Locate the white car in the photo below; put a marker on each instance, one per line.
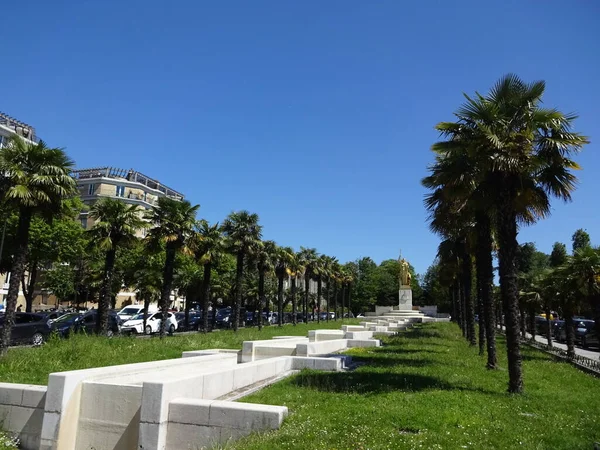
(136, 324)
(133, 310)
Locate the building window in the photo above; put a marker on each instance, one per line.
(84, 222)
(120, 191)
(91, 189)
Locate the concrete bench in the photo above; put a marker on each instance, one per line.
(359, 335)
(212, 423)
(63, 400)
(324, 335)
(281, 347)
(22, 412)
(347, 328)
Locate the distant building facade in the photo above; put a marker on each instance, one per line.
(9, 126)
(130, 186)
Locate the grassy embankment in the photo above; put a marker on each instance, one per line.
(428, 389)
(32, 365)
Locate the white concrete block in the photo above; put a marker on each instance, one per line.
(364, 343)
(217, 384)
(359, 335)
(190, 411)
(152, 436)
(11, 394)
(248, 416)
(243, 375)
(25, 420)
(34, 396)
(182, 436)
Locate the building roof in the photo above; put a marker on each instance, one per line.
(126, 175)
(18, 127)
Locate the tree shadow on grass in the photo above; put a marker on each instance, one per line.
(375, 383)
(381, 360)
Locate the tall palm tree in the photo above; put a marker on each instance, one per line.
(172, 223)
(208, 245)
(524, 152)
(336, 277)
(294, 269)
(320, 273)
(116, 225)
(243, 233)
(327, 271)
(264, 264)
(34, 179)
(308, 258)
(283, 256)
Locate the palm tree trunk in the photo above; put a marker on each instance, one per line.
(237, 301)
(523, 322)
(570, 333)
(328, 296)
(454, 305)
(165, 296)
(206, 295)
(469, 307)
(306, 292)
(507, 239)
(335, 302)
(20, 259)
(319, 287)
(29, 286)
(482, 321)
(343, 296)
(549, 325)
(279, 300)
(261, 296)
(531, 317)
(105, 293)
(349, 294)
(293, 295)
(485, 273)
(462, 322)
(146, 306)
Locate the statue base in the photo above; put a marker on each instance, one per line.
(405, 297)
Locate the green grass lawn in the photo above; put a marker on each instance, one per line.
(32, 365)
(427, 389)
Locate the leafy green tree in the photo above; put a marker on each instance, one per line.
(243, 233)
(172, 224)
(581, 239)
(60, 280)
(559, 255)
(34, 180)
(116, 225)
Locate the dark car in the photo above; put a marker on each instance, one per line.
(87, 323)
(53, 315)
(224, 317)
(585, 333)
(29, 328)
(195, 321)
(64, 325)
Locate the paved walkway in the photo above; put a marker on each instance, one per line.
(587, 353)
(592, 354)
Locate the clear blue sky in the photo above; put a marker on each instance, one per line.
(317, 115)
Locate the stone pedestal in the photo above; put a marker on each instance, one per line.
(405, 298)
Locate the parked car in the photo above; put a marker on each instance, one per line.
(585, 333)
(153, 323)
(271, 318)
(195, 322)
(133, 310)
(65, 324)
(87, 323)
(53, 315)
(30, 328)
(224, 317)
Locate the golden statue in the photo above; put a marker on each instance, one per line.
(405, 276)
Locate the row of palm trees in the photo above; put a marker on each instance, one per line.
(35, 180)
(496, 169)
(172, 226)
